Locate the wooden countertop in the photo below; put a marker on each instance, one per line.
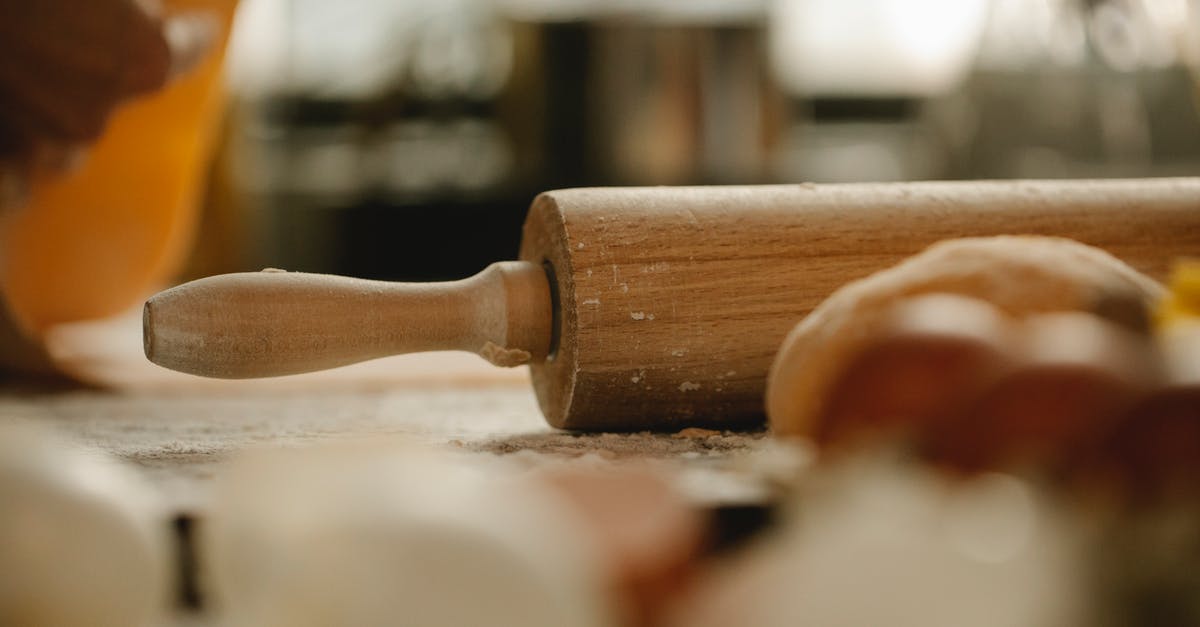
(176, 429)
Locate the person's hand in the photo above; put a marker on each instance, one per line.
(65, 65)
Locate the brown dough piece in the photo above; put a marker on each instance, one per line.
(1019, 275)
(928, 357)
(1152, 451)
(1072, 374)
(647, 531)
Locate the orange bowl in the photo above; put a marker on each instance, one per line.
(92, 243)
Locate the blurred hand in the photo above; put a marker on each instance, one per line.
(65, 65)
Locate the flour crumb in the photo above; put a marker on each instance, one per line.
(587, 447)
(504, 357)
(591, 301)
(637, 315)
(695, 432)
(688, 386)
(658, 266)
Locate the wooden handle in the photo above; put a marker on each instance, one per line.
(259, 324)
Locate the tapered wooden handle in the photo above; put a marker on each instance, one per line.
(258, 324)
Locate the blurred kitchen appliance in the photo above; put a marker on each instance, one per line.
(664, 93)
(415, 157)
(1076, 88)
(402, 139)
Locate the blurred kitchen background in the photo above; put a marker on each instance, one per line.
(404, 139)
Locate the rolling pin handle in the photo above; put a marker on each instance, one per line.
(260, 324)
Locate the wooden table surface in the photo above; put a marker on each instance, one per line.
(177, 435)
(176, 430)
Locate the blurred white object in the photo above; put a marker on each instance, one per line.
(874, 47)
(671, 11)
(376, 534)
(82, 541)
(363, 48)
(880, 543)
(1126, 35)
(256, 58)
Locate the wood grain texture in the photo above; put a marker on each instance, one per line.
(673, 301)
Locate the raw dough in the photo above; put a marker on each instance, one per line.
(1018, 274)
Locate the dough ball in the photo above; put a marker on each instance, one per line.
(1020, 275)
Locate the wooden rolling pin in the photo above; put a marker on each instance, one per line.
(651, 308)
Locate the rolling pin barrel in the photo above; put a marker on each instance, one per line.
(656, 308)
(673, 301)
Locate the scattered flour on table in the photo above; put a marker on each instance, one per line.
(623, 445)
